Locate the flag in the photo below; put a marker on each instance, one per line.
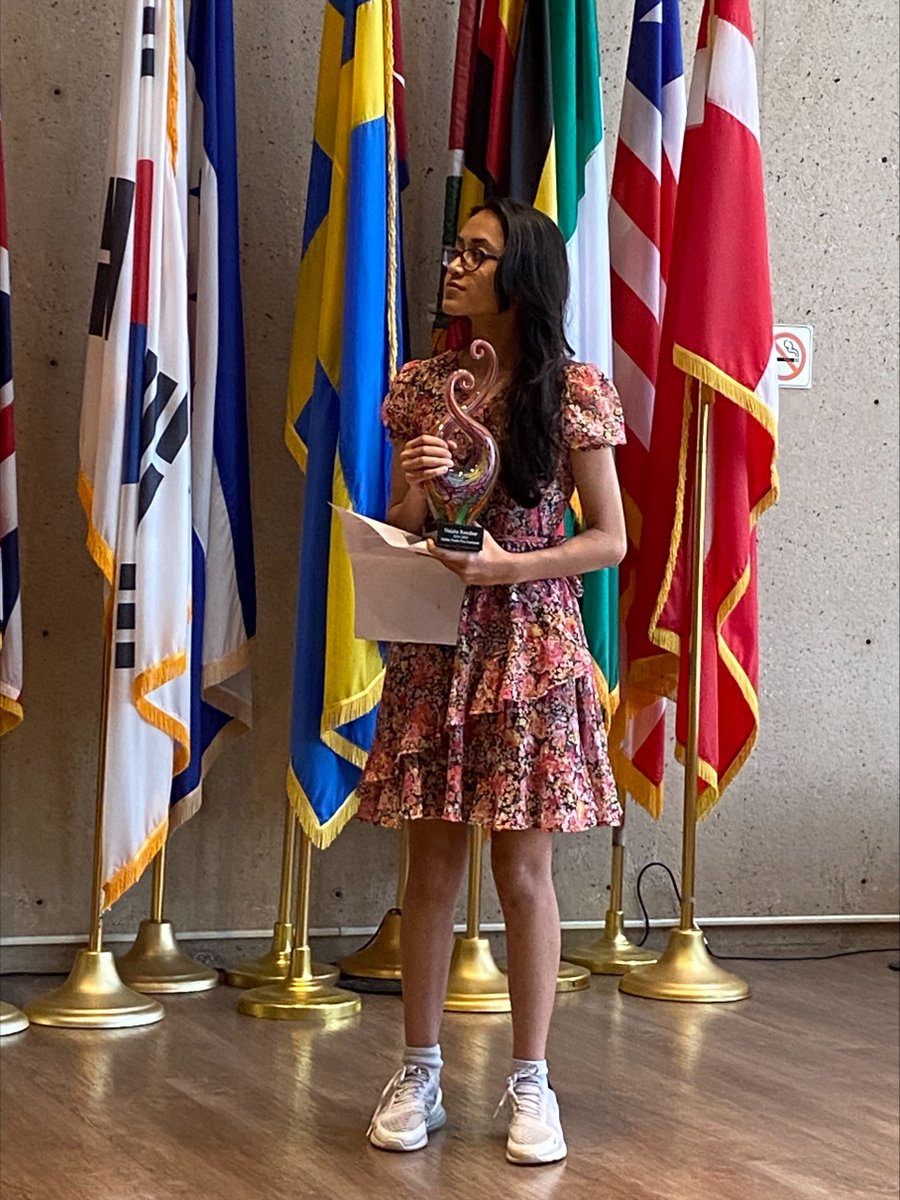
(581, 179)
(223, 575)
(348, 341)
(11, 678)
(527, 122)
(717, 332)
(581, 197)
(481, 118)
(135, 460)
(641, 213)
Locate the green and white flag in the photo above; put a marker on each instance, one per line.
(581, 194)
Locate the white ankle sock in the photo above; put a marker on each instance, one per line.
(424, 1056)
(537, 1065)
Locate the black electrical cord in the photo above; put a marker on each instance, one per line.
(33, 974)
(742, 957)
(640, 875)
(801, 957)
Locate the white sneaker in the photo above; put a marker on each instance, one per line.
(409, 1109)
(535, 1134)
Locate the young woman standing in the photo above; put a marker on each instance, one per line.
(505, 729)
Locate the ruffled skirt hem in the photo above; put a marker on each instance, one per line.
(539, 765)
(371, 813)
(504, 730)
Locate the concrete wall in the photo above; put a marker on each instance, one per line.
(810, 825)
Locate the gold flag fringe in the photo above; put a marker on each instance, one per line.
(172, 95)
(128, 875)
(320, 835)
(697, 368)
(98, 548)
(148, 681)
(11, 713)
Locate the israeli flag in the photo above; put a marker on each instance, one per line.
(223, 566)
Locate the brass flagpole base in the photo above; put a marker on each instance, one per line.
(611, 953)
(475, 984)
(271, 967)
(155, 964)
(572, 978)
(274, 965)
(379, 958)
(94, 997)
(685, 971)
(300, 997)
(12, 1020)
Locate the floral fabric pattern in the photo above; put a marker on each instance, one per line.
(504, 729)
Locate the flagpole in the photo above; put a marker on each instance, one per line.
(94, 996)
(686, 970)
(393, 263)
(301, 996)
(155, 963)
(612, 953)
(475, 983)
(274, 965)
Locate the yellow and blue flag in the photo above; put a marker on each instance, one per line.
(348, 341)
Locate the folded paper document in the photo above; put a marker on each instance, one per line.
(402, 593)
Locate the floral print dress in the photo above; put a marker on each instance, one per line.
(505, 729)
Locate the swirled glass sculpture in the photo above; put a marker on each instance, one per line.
(457, 498)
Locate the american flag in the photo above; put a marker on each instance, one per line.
(641, 215)
(10, 601)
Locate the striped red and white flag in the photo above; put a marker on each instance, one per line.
(717, 332)
(11, 675)
(641, 216)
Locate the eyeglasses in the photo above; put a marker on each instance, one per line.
(470, 259)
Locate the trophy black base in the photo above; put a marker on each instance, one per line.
(466, 538)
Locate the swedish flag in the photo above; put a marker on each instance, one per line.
(347, 343)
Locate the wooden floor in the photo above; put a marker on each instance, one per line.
(791, 1095)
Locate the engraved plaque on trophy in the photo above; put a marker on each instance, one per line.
(459, 496)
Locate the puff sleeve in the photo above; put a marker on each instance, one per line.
(399, 411)
(592, 411)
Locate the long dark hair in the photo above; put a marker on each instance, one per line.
(532, 278)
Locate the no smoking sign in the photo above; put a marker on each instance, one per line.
(793, 352)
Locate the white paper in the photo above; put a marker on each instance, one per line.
(402, 593)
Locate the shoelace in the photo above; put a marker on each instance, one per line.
(405, 1086)
(524, 1093)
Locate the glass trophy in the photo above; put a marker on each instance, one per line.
(459, 496)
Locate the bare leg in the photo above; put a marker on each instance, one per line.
(437, 860)
(521, 862)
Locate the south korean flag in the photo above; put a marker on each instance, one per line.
(135, 476)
